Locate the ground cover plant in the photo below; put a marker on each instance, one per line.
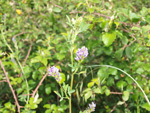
(66, 56)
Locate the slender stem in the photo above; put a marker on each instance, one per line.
(40, 83)
(71, 51)
(138, 109)
(146, 98)
(18, 63)
(6, 41)
(64, 92)
(12, 90)
(72, 77)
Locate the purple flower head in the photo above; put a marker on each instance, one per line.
(13, 60)
(81, 53)
(4, 16)
(91, 107)
(14, 40)
(54, 71)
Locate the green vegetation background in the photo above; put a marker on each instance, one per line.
(116, 32)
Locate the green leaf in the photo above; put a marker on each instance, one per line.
(71, 91)
(59, 56)
(36, 59)
(47, 90)
(57, 93)
(125, 96)
(47, 106)
(102, 73)
(8, 105)
(134, 17)
(140, 70)
(83, 27)
(88, 95)
(146, 28)
(90, 84)
(112, 71)
(91, 10)
(121, 84)
(48, 111)
(107, 92)
(33, 106)
(146, 106)
(135, 28)
(63, 77)
(128, 52)
(120, 103)
(56, 9)
(97, 90)
(108, 38)
(108, 50)
(44, 61)
(35, 74)
(124, 40)
(119, 53)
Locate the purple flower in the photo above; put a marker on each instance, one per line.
(4, 16)
(14, 40)
(81, 53)
(13, 60)
(54, 71)
(91, 107)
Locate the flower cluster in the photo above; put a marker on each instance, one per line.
(91, 108)
(81, 53)
(4, 16)
(54, 71)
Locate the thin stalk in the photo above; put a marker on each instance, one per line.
(72, 77)
(138, 108)
(25, 80)
(146, 98)
(18, 63)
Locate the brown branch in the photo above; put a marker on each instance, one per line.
(130, 42)
(3, 80)
(103, 4)
(19, 34)
(27, 55)
(40, 83)
(118, 93)
(57, 5)
(12, 90)
(27, 94)
(113, 108)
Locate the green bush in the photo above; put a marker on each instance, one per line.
(36, 35)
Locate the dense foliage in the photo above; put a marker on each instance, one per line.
(99, 49)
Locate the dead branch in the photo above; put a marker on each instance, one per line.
(40, 83)
(27, 55)
(12, 90)
(3, 80)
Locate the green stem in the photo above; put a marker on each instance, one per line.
(138, 109)
(25, 80)
(64, 92)
(18, 63)
(146, 98)
(72, 77)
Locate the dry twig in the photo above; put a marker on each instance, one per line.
(130, 42)
(27, 55)
(40, 83)
(12, 90)
(118, 93)
(3, 81)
